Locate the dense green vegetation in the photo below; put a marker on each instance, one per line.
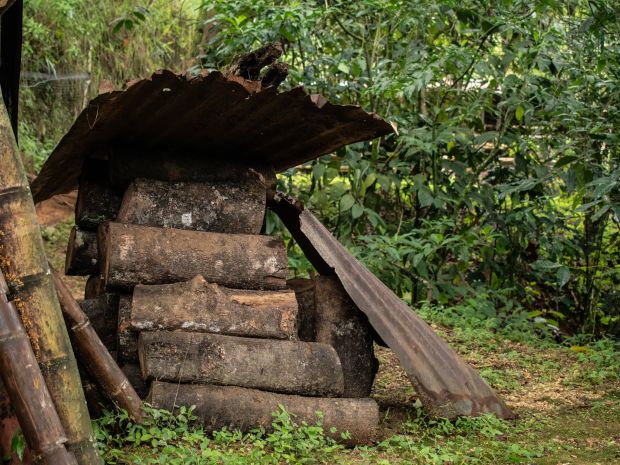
(502, 183)
(495, 210)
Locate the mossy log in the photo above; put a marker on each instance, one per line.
(200, 306)
(95, 356)
(82, 257)
(97, 201)
(244, 409)
(226, 207)
(146, 255)
(23, 381)
(280, 366)
(23, 261)
(102, 312)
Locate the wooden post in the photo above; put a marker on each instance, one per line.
(226, 207)
(142, 254)
(281, 366)
(239, 408)
(23, 261)
(95, 356)
(26, 388)
(199, 306)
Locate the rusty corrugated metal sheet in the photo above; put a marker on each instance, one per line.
(448, 387)
(210, 116)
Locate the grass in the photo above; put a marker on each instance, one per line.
(567, 397)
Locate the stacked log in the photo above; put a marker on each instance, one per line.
(188, 293)
(330, 317)
(244, 409)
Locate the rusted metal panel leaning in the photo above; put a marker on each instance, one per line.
(23, 381)
(447, 386)
(23, 261)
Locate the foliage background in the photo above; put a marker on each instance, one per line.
(500, 192)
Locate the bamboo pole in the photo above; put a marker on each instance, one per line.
(26, 389)
(94, 355)
(22, 259)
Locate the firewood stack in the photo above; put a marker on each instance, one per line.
(195, 305)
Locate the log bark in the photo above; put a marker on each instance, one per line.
(97, 201)
(244, 409)
(102, 312)
(200, 306)
(226, 207)
(95, 356)
(125, 165)
(134, 375)
(340, 324)
(82, 257)
(279, 366)
(306, 313)
(95, 287)
(146, 255)
(26, 388)
(127, 338)
(22, 259)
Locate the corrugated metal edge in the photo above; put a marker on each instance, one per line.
(448, 387)
(209, 115)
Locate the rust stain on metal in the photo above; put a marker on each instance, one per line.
(447, 385)
(210, 116)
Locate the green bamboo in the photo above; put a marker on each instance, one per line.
(24, 264)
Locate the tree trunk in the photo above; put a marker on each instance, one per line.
(280, 366)
(127, 338)
(203, 307)
(225, 207)
(244, 409)
(82, 253)
(23, 381)
(95, 356)
(146, 255)
(22, 259)
(102, 312)
(97, 201)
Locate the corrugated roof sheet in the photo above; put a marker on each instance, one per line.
(447, 386)
(211, 116)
